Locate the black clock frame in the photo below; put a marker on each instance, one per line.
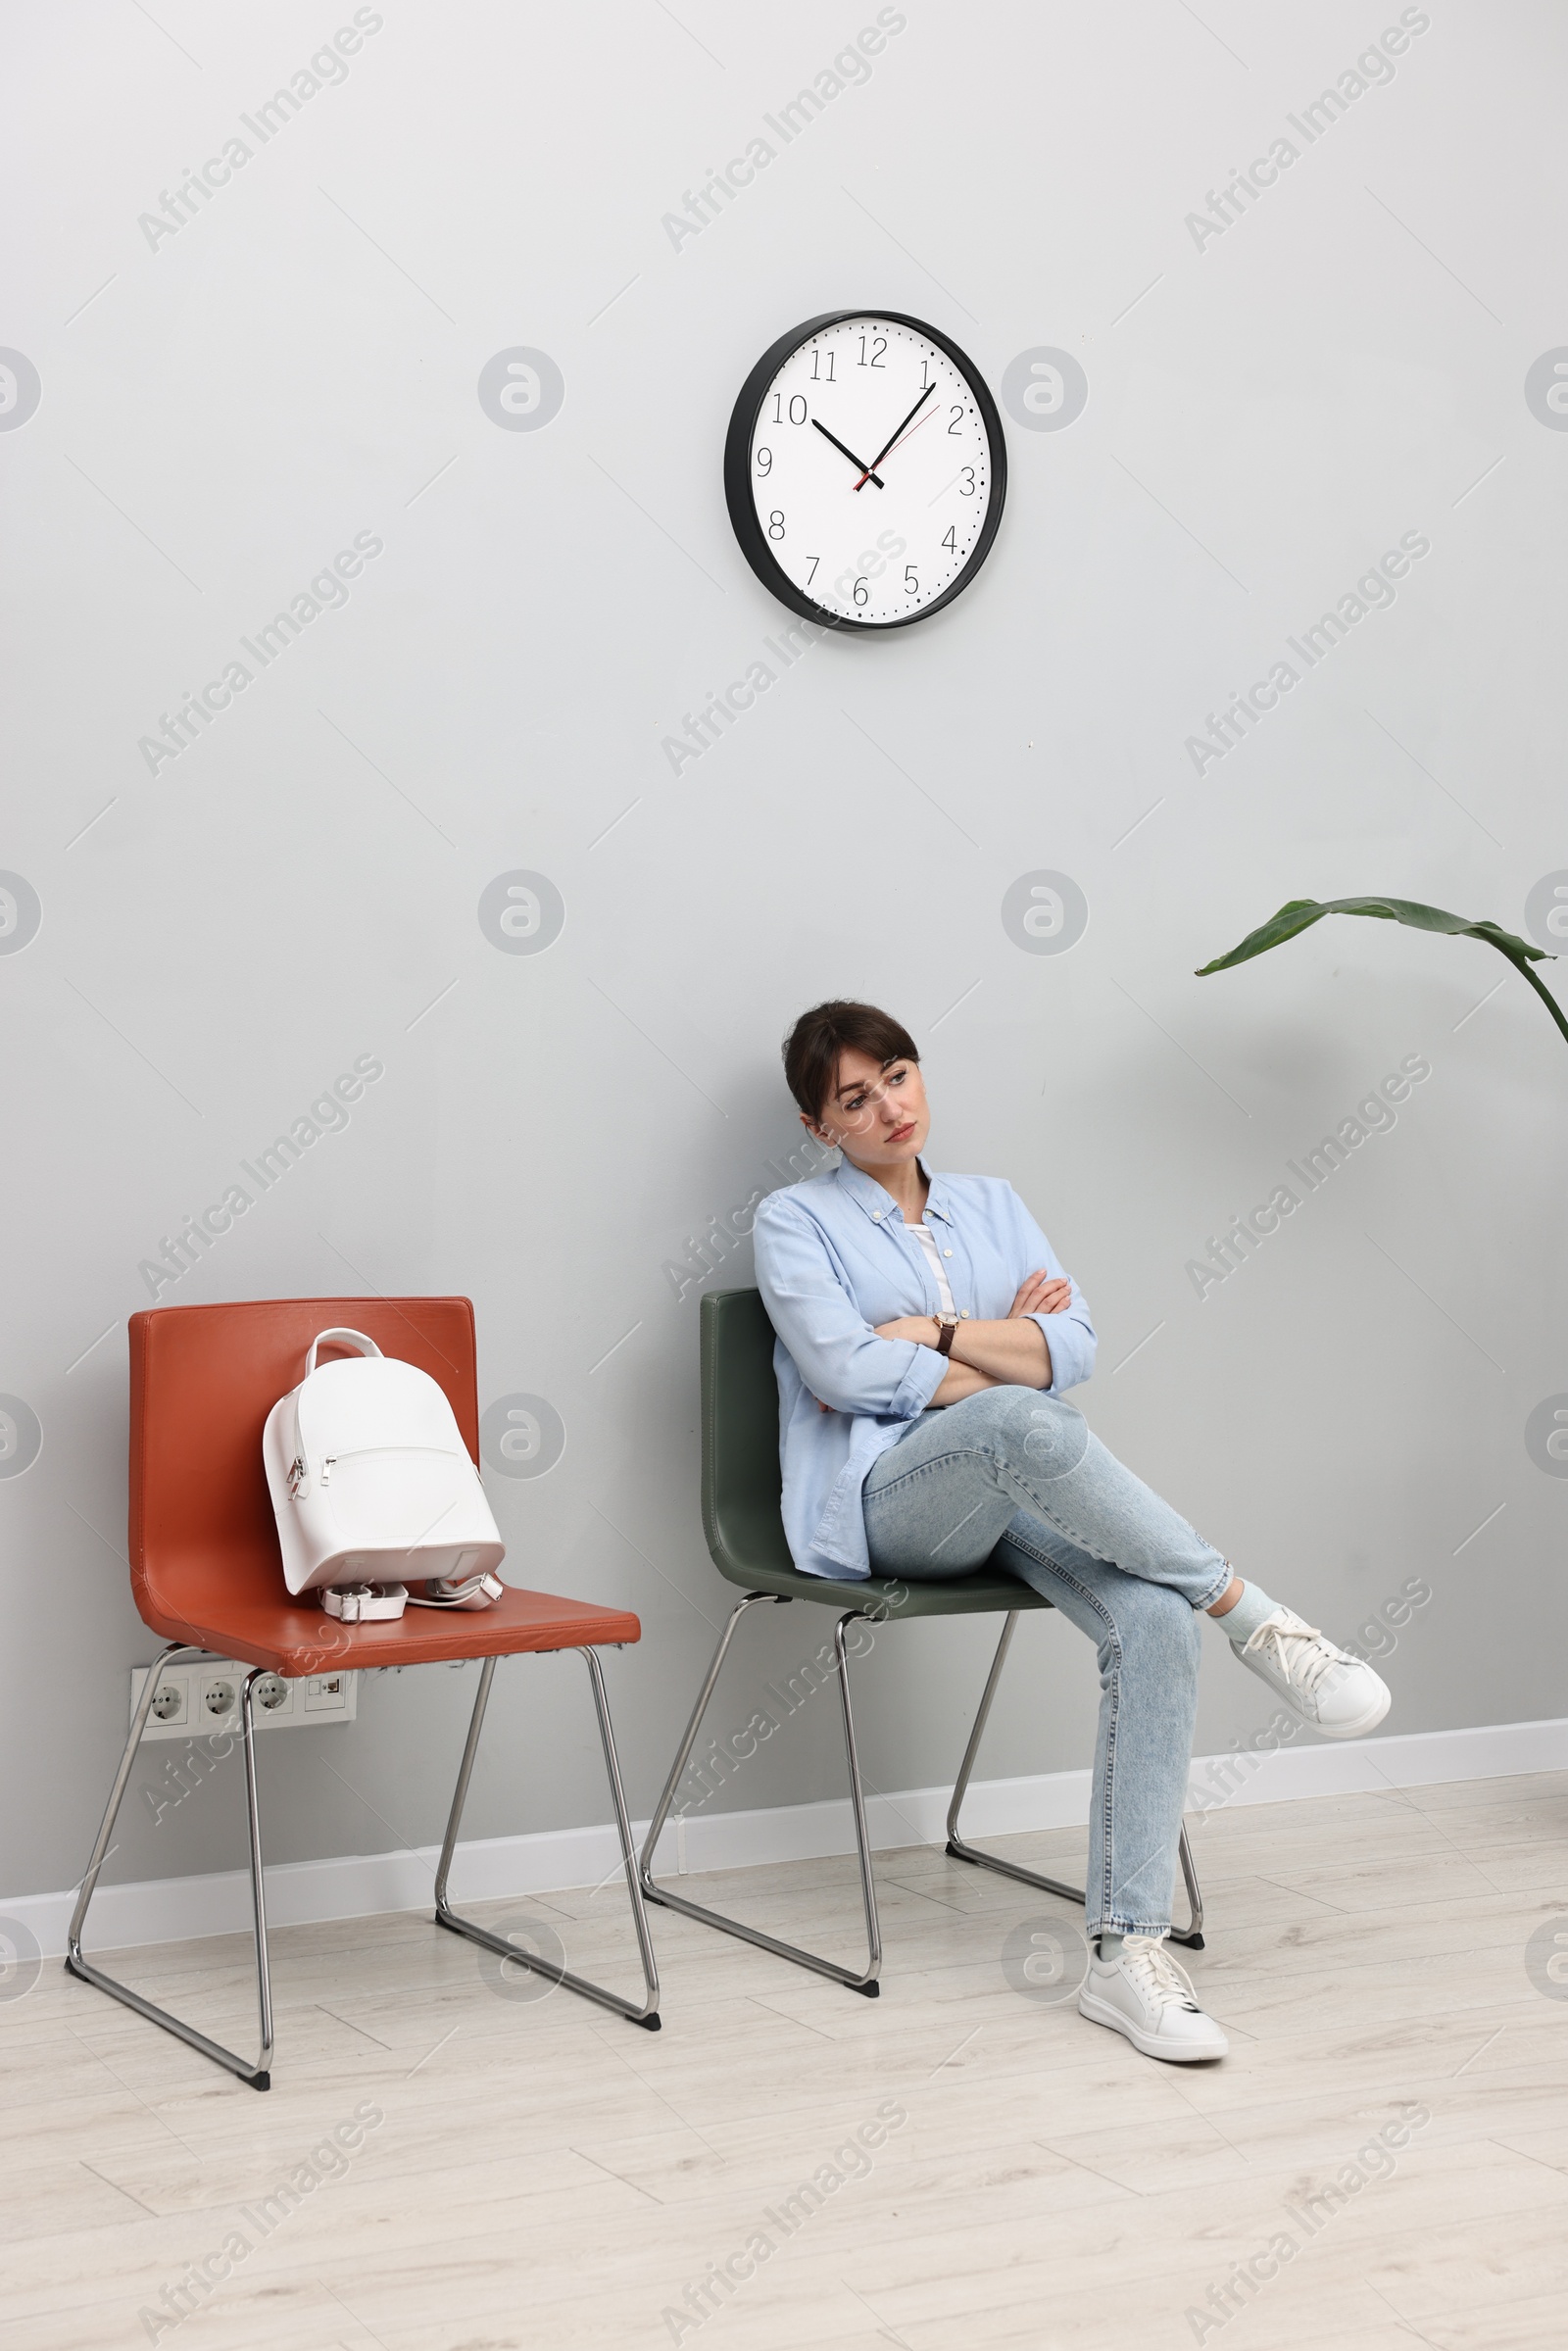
(738, 472)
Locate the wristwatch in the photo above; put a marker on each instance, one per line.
(947, 1324)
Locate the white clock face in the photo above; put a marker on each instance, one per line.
(872, 472)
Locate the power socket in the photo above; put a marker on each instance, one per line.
(169, 1706)
(200, 1701)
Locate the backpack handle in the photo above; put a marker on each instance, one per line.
(354, 1339)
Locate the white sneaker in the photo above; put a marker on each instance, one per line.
(1144, 1993)
(1324, 1686)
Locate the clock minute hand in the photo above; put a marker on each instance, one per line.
(868, 472)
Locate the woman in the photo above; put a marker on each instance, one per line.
(927, 1335)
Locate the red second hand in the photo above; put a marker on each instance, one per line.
(899, 443)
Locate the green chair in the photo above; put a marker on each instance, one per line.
(740, 1489)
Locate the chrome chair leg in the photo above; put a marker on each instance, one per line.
(865, 1982)
(1192, 1937)
(689, 1738)
(647, 2015)
(862, 1840)
(259, 2075)
(1192, 1934)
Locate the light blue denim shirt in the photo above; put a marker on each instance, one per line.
(833, 1259)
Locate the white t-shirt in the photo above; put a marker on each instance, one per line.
(928, 1242)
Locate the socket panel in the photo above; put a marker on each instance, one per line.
(199, 1700)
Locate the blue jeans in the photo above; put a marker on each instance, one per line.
(1015, 1479)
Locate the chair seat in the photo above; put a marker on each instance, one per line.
(983, 1593)
(747, 1541)
(298, 1637)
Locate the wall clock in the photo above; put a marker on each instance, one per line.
(865, 470)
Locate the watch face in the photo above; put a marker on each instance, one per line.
(866, 469)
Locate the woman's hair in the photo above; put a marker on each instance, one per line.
(812, 1048)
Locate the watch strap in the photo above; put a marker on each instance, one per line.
(947, 1327)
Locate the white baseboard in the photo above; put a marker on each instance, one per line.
(494, 1868)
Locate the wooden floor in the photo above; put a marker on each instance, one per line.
(546, 2175)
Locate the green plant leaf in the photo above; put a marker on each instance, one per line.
(1299, 914)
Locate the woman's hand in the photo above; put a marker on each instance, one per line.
(1042, 1293)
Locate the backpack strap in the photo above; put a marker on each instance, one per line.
(354, 1339)
(474, 1591)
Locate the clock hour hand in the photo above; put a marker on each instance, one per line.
(871, 473)
(866, 473)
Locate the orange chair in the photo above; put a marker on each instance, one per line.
(206, 1574)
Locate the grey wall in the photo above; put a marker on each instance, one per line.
(1270, 407)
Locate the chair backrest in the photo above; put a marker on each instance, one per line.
(203, 1379)
(740, 1481)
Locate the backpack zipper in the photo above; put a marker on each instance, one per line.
(299, 1476)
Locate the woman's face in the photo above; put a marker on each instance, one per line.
(876, 1113)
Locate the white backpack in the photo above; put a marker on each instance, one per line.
(372, 1483)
